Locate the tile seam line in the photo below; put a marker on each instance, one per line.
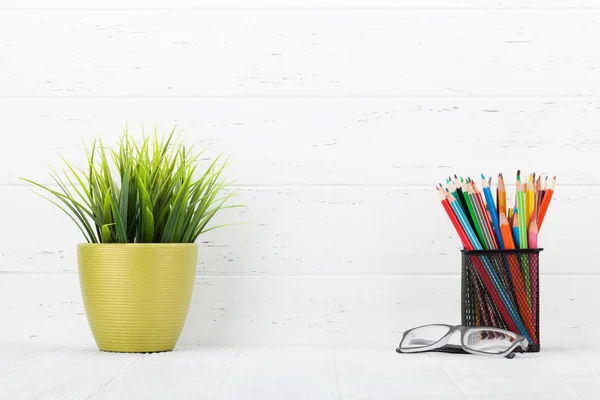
(322, 186)
(449, 10)
(305, 97)
(441, 368)
(326, 276)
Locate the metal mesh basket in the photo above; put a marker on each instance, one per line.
(500, 288)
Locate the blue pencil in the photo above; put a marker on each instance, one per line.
(515, 228)
(493, 210)
(463, 221)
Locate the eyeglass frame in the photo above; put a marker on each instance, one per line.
(520, 340)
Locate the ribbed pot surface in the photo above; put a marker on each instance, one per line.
(136, 296)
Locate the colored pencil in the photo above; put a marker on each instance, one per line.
(529, 200)
(522, 213)
(459, 229)
(546, 202)
(486, 240)
(487, 301)
(486, 224)
(538, 197)
(488, 275)
(483, 221)
(467, 244)
(461, 198)
(532, 233)
(478, 315)
(523, 235)
(465, 192)
(533, 264)
(452, 188)
(515, 228)
(501, 194)
(544, 187)
(487, 217)
(493, 212)
(516, 276)
(463, 221)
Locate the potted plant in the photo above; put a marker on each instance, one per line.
(140, 209)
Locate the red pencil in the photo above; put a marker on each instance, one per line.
(459, 229)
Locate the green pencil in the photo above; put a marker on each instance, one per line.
(465, 192)
(522, 216)
(523, 234)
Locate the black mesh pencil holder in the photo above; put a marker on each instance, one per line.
(501, 288)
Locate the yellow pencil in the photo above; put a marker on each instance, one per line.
(529, 199)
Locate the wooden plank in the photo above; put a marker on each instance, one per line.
(303, 4)
(309, 53)
(71, 373)
(16, 356)
(352, 373)
(385, 375)
(227, 373)
(338, 311)
(475, 380)
(300, 141)
(79, 373)
(254, 368)
(300, 231)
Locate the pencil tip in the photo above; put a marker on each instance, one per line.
(482, 176)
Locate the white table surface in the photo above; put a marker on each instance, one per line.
(36, 371)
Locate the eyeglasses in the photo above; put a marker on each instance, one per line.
(475, 340)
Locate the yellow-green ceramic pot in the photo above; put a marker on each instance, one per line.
(136, 296)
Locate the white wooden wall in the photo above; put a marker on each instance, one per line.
(339, 117)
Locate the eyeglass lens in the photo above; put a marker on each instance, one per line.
(491, 342)
(424, 336)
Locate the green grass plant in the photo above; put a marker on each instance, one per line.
(140, 192)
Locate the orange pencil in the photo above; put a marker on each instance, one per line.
(505, 230)
(516, 276)
(546, 202)
(501, 195)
